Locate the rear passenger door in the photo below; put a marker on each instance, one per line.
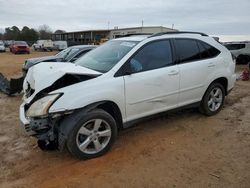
(153, 83)
(196, 65)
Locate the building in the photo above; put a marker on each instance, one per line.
(116, 33)
(99, 36)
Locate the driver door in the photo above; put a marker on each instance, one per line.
(152, 85)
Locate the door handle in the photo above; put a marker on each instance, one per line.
(173, 72)
(211, 65)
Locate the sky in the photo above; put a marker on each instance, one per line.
(225, 18)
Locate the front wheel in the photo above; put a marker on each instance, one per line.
(213, 99)
(93, 134)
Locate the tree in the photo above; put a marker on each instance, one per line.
(28, 34)
(12, 33)
(45, 32)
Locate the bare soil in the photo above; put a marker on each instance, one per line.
(183, 149)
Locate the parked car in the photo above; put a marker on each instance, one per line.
(43, 45)
(60, 45)
(19, 47)
(68, 55)
(2, 46)
(240, 50)
(82, 106)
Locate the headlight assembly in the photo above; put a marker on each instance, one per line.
(41, 106)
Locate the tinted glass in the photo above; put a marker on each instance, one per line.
(20, 42)
(204, 52)
(106, 56)
(187, 50)
(211, 50)
(152, 56)
(235, 46)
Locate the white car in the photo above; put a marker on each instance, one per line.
(83, 105)
(45, 45)
(240, 50)
(2, 47)
(60, 45)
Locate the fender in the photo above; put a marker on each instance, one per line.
(64, 128)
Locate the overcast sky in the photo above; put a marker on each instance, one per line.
(217, 17)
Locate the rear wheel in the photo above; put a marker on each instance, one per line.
(92, 135)
(213, 99)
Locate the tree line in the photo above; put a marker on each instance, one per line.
(27, 34)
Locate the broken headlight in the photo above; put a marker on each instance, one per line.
(41, 106)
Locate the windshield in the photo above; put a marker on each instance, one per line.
(67, 53)
(1, 42)
(20, 42)
(105, 57)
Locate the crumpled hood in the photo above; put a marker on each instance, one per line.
(45, 74)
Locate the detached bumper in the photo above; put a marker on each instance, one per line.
(25, 122)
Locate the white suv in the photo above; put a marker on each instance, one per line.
(83, 105)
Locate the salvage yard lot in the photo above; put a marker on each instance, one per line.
(183, 149)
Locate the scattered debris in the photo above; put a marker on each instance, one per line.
(12, 86)
(245, 75)
(215, 175)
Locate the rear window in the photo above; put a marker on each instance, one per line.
(207, 51)
(187, 50)
(235, 46)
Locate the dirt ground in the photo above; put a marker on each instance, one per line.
(183, 149)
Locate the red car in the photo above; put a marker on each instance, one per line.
(19, 47)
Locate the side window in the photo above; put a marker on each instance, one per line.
(207, 51)
(81, 54)
(187, 50)
(152, 56)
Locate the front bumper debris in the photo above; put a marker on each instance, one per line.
(12, 86)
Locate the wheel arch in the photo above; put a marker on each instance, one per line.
(64, 127)
(223, 81)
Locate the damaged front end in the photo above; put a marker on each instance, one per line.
(34, 112)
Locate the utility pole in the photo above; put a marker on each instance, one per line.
(142, 23)
(172, 26)
(108, 25)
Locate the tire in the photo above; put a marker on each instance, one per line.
(84, 135)
(212, 102)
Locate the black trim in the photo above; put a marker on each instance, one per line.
(177, 32)
(133, 122)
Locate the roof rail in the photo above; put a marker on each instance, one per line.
(177, 32)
